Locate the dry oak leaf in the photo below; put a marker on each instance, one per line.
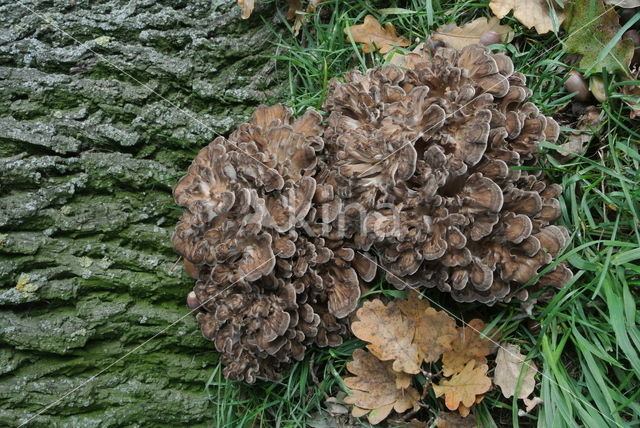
(389, 333)
(469, 34)
(531, 13)
(509, 365)
(582, 133)
(464, 387)
(468, 345)
(530, 404)
(413, 306)
(373, 390)
(454, 420)
(313, 4)
(375, 36)
(295, 6)
(464, 410)
(410, 59)
(247, 8)
(434, 330)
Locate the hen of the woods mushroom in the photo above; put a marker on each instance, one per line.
(417, 169)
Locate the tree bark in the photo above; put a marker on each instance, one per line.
(103, 104)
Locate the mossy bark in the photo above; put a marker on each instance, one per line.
(103, 104)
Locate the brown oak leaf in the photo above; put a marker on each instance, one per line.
(464, 410)
(413, 306)
(313, 4)
(389, 333)
(375, 36)
(468, 345)
(295, 6)
(435, 333)
(531, 13)
(434, 330)
(464, 387)
(469, 34)
(509, 364)
(373, 390)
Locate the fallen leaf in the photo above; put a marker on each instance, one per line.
(336, 405)
(467, 346)
(373, 390)
(410, 59)
(413, 306)
(583, 132)
(375, 36)
(454, 420)
(464, 410)
(530, 404)
(624, 3)
(313, 4)
(434, 330)
(509, 363)
(531, 13)
(295, 6)
(458, 37)
(247, 8)
(435, 333)
(590, 26)
(389, 333)
(632, 99)
(463, 387)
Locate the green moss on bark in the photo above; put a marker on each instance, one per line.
(102, 107)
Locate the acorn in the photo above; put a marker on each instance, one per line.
(576, 85)
(596, 86)
(192, 301)
(533, 326)
(490, 38)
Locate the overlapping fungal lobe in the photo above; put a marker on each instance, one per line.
(268, 287)
(434, 155)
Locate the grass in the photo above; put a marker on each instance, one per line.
(585, 340)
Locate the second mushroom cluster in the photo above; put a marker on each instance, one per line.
(424, 174)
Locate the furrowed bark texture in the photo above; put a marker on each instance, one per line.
(103, 104)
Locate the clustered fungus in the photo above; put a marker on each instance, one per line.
(419, 169)
(435, 153)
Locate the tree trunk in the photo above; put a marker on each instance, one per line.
(103, 104)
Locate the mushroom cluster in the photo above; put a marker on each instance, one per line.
(437, 154)
(423, 170)
(267, 285)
